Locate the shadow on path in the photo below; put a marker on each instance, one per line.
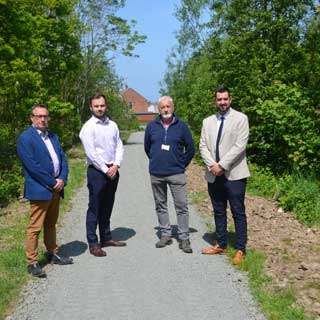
(73, 248)
(174, 231)
(133, 143)
(211, 238)
(122, 234)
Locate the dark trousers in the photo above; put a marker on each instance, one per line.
(101, 199)
(222, 191)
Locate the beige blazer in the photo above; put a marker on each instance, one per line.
(232, 146)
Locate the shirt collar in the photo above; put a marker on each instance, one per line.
(97, 120)
(226, 115)
(41, 133)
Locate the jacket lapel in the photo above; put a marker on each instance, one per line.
(213, 131)
(39, 141)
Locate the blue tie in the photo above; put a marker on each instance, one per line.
(218, 139)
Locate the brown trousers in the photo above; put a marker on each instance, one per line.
(43, 213)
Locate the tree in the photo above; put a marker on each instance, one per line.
(58, 53)
(259, 49)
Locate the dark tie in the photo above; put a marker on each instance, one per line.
(218, 139)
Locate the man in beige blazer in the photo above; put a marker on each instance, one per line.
(223, 141)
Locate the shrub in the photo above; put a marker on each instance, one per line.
(262, 182)
(301, 195)
(11, 183)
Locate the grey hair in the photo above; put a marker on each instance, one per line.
(166, 98)
(39, 105)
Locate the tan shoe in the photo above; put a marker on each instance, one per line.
(216, 249)
(238, 257)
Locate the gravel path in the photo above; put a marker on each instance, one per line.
(137, 282)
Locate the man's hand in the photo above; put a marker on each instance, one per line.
(112, 171)
(59, 185)
(216, 170)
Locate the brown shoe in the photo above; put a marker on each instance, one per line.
(238, 257)
(97, 251)
(113, 243)
(216, 249)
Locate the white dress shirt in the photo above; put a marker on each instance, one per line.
(102, 143)
(53, 154)
(218, 115)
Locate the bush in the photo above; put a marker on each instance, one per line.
(283, 131)
(262, 182)
(11, 183)
(297, 192)
(301, 195)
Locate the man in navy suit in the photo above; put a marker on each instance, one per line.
(45, 169)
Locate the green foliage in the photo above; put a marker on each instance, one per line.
(63, 122)
(10, 169)
(298, 192)
(57, 53)
(283, 131)
(301, 195)
(262, 182)
(121, 113)
(261, 50)
(11, 183)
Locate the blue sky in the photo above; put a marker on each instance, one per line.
(155, 19)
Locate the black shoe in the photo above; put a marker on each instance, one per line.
(164, 241)
(57, 259)
(184, 245)
(35, 270)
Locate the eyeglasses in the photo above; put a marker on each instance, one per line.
(40, 116)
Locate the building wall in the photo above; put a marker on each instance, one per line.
(146, 117)
(136, 100)
(139, 105)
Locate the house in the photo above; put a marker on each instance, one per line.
(140, 106)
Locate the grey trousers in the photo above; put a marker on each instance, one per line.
(178, 187)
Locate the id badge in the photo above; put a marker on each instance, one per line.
(165, 147)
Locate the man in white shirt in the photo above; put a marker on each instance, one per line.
(104, 151)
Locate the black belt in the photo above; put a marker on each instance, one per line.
(108, 165)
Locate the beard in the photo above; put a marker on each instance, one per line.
(100, 115)
(223, 108)
(166, 116)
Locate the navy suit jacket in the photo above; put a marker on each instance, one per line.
(38, 166)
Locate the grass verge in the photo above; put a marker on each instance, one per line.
(275, 305)
(13, 224)
(278, 305)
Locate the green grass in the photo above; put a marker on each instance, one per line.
(262, 182)
(196, 197)
(77, 169)
(13, 274)
(275, 305)
(125, 134)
